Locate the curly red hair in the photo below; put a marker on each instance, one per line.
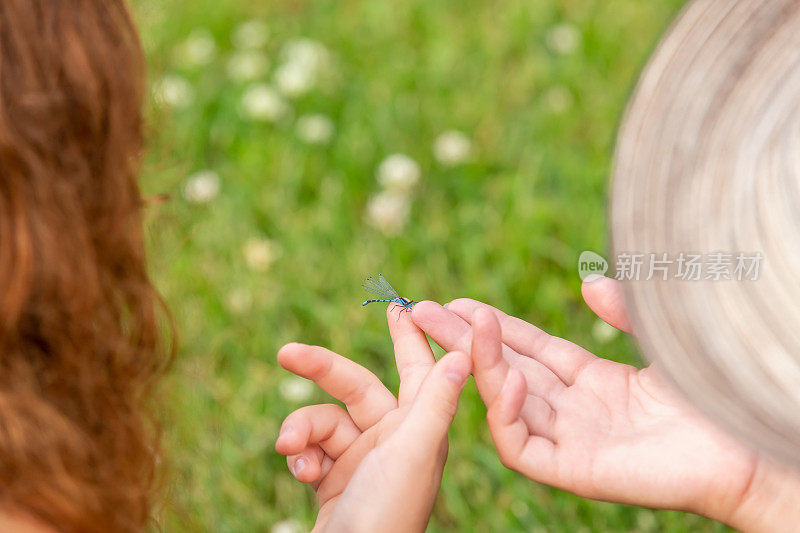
(80, 342)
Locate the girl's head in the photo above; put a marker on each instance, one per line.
(708, 163)
(79, 342)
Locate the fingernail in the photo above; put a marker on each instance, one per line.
(592, 277)
(299, 466)
(458, 371)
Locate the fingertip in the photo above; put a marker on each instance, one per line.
(597, 284)
(458, 354)
(426, 306)
(289, 441)
(484, 319)
(590, 286)
(605, 298)
(287, 352)
(281, 444)
(479, 314)
(304, 360)
(288, 446)
(399, 318)
(304, 469)
(458, 366)
(424, 310)
(591, 278)
(392, 310)
(392, 320)
(462, 306)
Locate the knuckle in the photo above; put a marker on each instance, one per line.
(284, 355)
(357, 392)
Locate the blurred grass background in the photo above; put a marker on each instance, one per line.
(268, 125)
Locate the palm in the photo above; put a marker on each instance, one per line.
(594, 427)
(335, 481)
(619, 430)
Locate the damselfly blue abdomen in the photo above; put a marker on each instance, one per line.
(380, 287)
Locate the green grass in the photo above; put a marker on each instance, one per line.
(506, 227)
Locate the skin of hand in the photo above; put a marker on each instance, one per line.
(377, 465)
(604, 430)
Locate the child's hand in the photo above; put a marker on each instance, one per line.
(599, 429)
(376, 466)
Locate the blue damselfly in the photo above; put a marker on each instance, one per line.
(380, 287)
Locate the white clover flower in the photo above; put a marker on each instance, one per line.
(198, 49)
(296, 389)
(304, 61)
(604, 332)
(398, 172)
(287, 526)
(452, 148)
(557, 98)
(173, 91)
(250, 34)
(201, 187)
(295, 79)
(315, 129)
(307, 52)
(247, 65)
(563, 38)
(259, 254)
(388, 212)
(262, 102)
(239, 301)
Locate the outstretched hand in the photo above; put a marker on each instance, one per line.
(377, 465)
(600, 429)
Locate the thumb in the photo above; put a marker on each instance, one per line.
(437, 400)
(394, 488)
(604, 296)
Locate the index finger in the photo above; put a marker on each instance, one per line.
(366, 398)
(412, 353)
(452, 332)
(564, 358)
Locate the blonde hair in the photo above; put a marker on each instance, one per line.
(708, 160)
